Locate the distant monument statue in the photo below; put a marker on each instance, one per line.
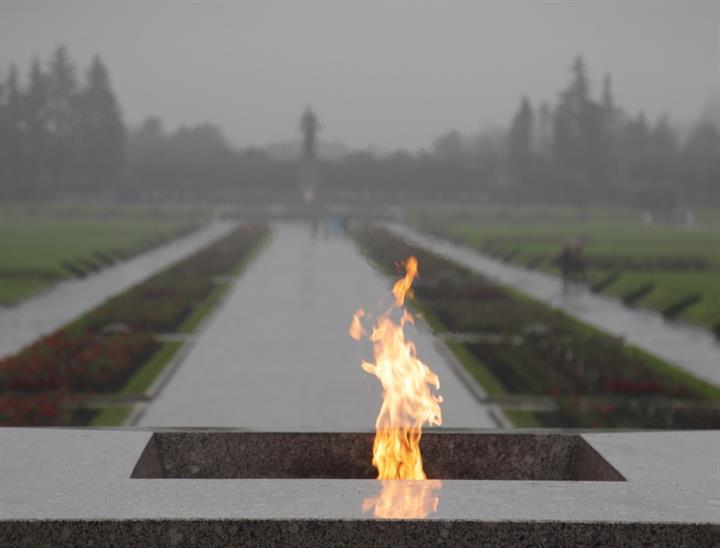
(309, 126)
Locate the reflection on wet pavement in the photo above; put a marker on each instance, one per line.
(277, 355)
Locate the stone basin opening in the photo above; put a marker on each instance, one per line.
(320, 455)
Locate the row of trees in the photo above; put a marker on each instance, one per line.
(59, 133)
(581, 149)
(198, 162)
(584, 149)
(60, 136)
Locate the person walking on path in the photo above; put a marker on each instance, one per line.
(572, 264)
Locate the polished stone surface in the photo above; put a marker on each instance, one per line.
(277, 355)
(79, 480)
(44, 313)
(692, 348)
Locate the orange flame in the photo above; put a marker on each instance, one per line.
(356, 329)
(405, 499)
(403, 285)
(408, 401)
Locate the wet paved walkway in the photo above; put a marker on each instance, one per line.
(691, 348)
(277, 355)
(51, 309)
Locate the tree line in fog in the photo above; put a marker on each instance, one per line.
(59, 131)
(62, 134)
(588, 149)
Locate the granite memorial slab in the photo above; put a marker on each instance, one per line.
(224, 487)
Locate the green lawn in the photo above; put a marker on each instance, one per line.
(203, 308)
(670, 287)
(14, 289)
(675, 263)
(484, 377)
(39, 246)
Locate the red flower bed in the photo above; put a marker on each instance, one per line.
(163, 301)
(80, 361)
(31, 409)
(624, 386)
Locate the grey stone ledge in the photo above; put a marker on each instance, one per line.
(74, 487)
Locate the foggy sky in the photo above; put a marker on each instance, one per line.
(389, 74)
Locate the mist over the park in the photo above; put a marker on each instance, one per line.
(389, 76)
(388, 273)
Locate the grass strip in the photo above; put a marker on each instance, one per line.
(523, 419)
(111, 416)
(203, 308)
(477, 369)
(143, 378)
(13, 290)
